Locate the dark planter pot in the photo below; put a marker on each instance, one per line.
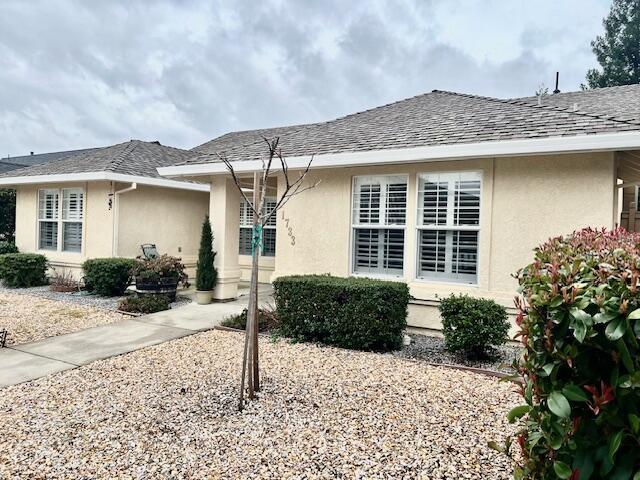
(164, 286)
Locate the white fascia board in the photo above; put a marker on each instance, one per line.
(107, 176)
(501, 148)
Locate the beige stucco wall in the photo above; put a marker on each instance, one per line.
(97, 229)
(168, 217)
(525, 200)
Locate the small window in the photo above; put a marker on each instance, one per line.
(378, 224)
(60, 223)
(246, 229)
(449, 226)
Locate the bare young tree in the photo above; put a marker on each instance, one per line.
(273, 164)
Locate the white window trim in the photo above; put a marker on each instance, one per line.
(353, 226)
(61, 221)
(266, 227)
(419, 228)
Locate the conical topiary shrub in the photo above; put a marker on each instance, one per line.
(206, 274)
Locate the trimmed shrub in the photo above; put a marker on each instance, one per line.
(356, 313)
(108, 276)
(8, 247)
(267, 320)
(579, 323)
(206, 273)
(474, 326)
(21, 270)
(144, 304)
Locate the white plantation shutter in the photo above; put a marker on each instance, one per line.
(48, 209)
(60, 217)
(379, 218)
(448, 226)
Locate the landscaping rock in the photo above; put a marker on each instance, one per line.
(170, 411)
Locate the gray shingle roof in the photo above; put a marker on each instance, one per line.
(36, 159)
(616, 103)
(131, 158)
(436, 118)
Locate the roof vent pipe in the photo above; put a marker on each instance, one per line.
(557, 90)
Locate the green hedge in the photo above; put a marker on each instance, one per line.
(144, 304)
(19, 270)
(353, 313)
(108, 276)
(473, 326)
(7, 247)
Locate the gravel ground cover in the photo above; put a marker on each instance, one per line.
(169, 411)
(431, 349)
(29, 318)
(81, 298)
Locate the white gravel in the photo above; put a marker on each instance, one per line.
(169, 411)
(29, 318)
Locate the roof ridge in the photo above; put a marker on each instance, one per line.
(551, 108)
(117, 160)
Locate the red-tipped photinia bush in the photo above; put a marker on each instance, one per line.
(579, 320)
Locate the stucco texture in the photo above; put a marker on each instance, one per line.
(170, 218)
(524, 201)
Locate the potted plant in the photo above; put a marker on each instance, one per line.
(206, 273)
(159, 276)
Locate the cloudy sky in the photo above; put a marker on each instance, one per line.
(82, 73)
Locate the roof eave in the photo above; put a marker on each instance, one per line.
(106, 176)
(500, 148)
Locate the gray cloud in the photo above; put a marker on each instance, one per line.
(75, 74)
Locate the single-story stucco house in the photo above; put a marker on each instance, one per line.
(448, 192)
(107, 202)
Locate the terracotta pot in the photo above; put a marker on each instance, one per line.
(203, 297)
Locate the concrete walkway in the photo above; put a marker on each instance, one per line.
(22, 363)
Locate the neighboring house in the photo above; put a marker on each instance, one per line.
(448, 192)
(13, 163)
(106, 202)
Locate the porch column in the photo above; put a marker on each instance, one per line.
(224, 214)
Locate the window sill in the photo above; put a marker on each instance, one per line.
(426, 281)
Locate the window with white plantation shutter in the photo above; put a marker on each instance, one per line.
(378, 223)
(48, 210)
(60, 217)
(449, 226)
(246, 229)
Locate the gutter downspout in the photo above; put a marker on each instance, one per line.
(116, 216)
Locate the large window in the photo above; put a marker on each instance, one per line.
(246, 228)
(60, 216)
(448, 226)
(378, 223)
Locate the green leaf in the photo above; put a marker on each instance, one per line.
(605, 317)
(579, 331)
(518, 412)
(547, 369)
(614, 444)
(625, 356)
(494, 446)
(562, 469)
(636, 329)
(556, 302)
(559, 405)
(615, 329)
(634, 421)
(636, 476)
(574, 393)
(635, 315)
(582, 316)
